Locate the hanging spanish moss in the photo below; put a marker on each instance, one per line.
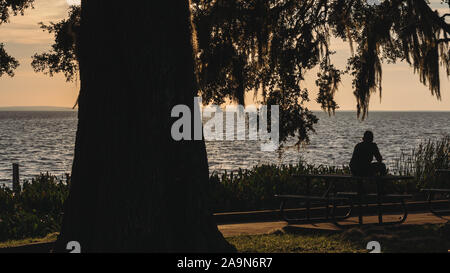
(396, 31)
(267, 46)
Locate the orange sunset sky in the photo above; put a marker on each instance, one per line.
(22, 37)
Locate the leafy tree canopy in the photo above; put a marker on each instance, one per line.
(62, 58)
(268, 45)
(8, 7)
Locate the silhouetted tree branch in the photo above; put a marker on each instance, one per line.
(14, 7)
(63, 56)
(134, 188)
(242, 47)
(8, 7)
(7, 63)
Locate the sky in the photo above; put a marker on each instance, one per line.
(402, 90)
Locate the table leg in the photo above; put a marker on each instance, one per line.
(327, 212)
(379, 200)
(308, 202)
(360, 201)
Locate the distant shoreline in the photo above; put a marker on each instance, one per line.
(36, 109)
(390, 111)
(68, 109)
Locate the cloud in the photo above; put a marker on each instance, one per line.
(73, 2)
(25, 29)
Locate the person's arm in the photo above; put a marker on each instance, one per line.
(377, 153)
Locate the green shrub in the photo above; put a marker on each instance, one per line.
(255, 188)
(35, 211)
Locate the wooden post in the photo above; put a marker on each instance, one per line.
(16, 184)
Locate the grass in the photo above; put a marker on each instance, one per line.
(429, 238)
(294, 243)
(273, 243)
(16, 243)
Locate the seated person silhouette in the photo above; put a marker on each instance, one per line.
(363, 154)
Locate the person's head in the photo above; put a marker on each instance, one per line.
(368, 136)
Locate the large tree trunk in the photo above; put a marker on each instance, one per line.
(133, 187)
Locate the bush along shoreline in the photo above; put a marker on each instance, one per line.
(37, 209)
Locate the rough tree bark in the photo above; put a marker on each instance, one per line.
(134, 189)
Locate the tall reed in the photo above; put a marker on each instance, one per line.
(423, 161)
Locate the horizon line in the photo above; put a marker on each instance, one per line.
(67, 108)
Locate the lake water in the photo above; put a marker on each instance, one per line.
(44, 141)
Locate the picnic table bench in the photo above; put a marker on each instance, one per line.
(359, 196)
(308, 199)
(431, 192)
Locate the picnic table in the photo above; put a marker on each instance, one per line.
(359, 195)
(430, 193)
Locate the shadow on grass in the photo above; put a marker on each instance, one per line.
(431, 238)
(30, 245)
